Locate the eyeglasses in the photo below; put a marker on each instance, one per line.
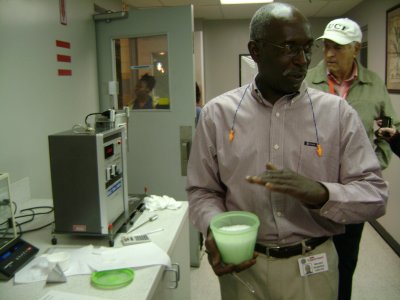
(291, 50)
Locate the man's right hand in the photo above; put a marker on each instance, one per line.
(215, 259)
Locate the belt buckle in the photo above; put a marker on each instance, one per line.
(272, 247)
(305, 248)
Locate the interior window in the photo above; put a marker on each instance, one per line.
(141, 70)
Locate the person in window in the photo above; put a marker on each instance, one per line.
(275, 148)
(143, 89)
(340, 73)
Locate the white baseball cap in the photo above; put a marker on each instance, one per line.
(342, 31)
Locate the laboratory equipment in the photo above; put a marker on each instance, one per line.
(235, 233)
(89, 182)
(135, 239)
(62, 259)
(14, 251)
(112, 279)
(150, 219)
(112, 119)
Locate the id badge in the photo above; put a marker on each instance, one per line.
(313, 264)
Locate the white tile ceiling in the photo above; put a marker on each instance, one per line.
(213, 10)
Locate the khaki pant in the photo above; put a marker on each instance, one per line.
(280, 279)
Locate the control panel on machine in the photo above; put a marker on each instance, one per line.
(112, 156)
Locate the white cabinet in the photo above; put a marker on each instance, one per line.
(175, 284)
(150, 283)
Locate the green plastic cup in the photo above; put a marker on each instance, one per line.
(235, 233)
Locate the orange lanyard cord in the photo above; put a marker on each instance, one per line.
(331, 86)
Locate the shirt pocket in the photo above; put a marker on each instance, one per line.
(320, 168)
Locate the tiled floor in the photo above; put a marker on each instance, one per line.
(377, 275)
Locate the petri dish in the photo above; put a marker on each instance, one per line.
(112, 279)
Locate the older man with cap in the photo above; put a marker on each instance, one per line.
(341, 73)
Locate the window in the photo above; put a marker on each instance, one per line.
(141, 69)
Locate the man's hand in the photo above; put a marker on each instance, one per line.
(215, 259)
(308, 191)
(385, 133)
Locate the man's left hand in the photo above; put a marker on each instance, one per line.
(215, 259)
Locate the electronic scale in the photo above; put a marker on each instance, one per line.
(14, 251)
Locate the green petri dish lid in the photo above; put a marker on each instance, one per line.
(112, 279)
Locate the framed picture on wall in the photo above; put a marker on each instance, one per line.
(392, 75)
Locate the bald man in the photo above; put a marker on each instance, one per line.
(274, 148)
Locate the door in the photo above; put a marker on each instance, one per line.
(158, 139)
(154, 158)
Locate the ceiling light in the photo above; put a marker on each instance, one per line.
(245, 1)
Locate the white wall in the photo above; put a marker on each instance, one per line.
(373, 14)
(223, 42)
(34, 100)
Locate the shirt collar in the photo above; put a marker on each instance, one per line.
(293, 97)
(353, 75)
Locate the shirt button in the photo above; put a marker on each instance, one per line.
(279, 214)
(277, 115)
(276, 147)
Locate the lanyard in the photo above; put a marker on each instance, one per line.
(332, 88)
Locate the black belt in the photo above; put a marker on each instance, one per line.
(288, 251)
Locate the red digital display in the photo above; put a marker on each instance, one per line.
(108, 151)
